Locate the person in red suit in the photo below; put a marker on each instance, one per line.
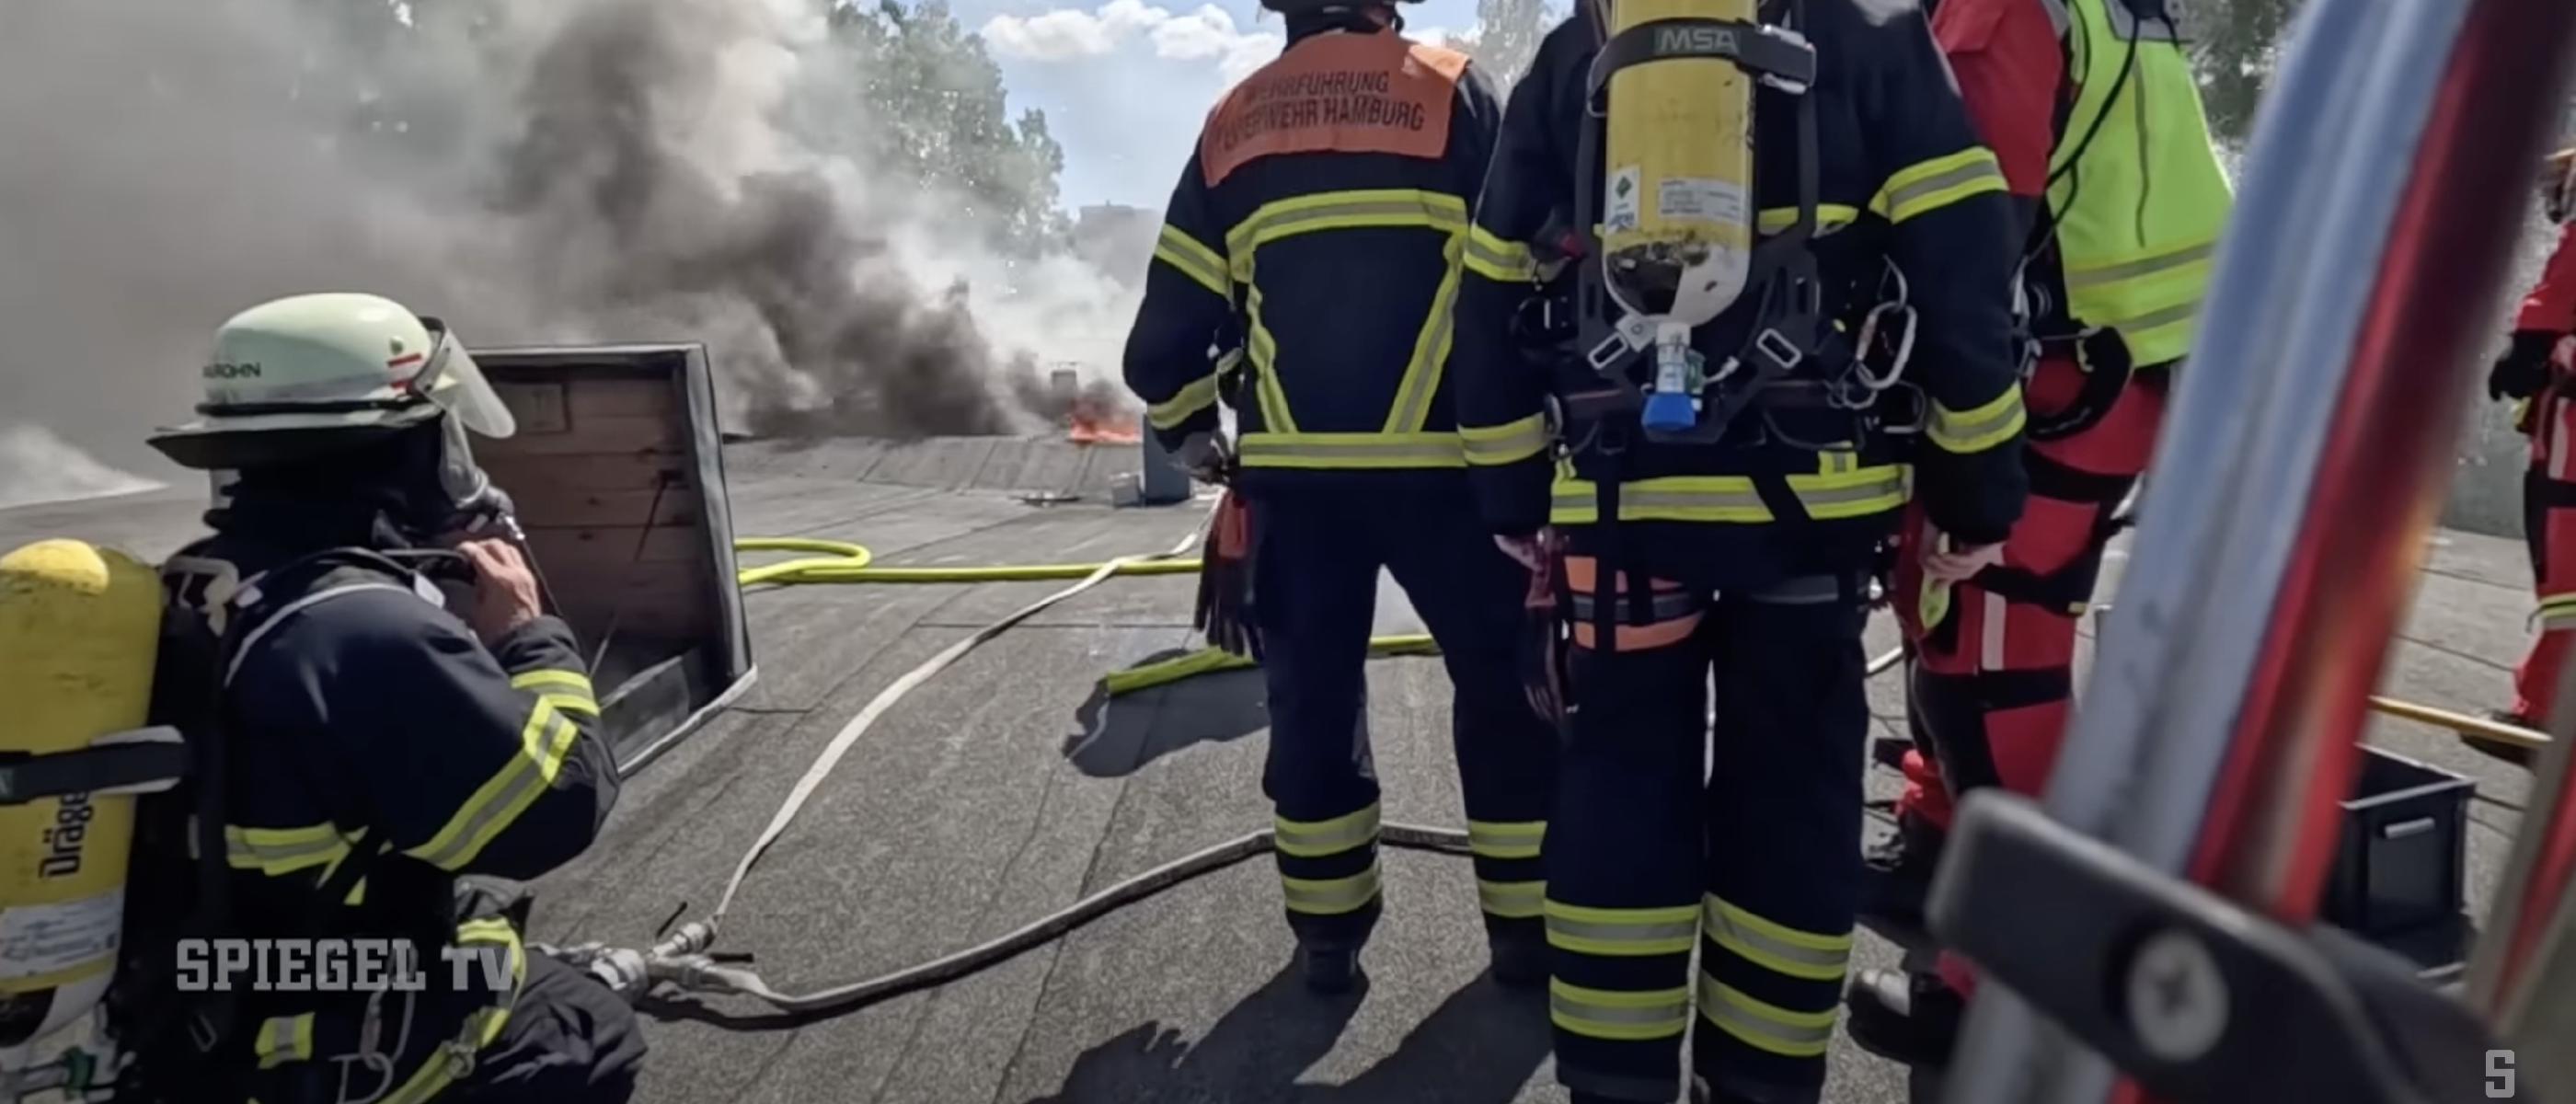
(2535, 370)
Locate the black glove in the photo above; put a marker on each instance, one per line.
(1225, 610)
(1543, 638)
(2524, 369)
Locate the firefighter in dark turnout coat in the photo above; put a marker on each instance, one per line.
(1747, 557)
(1315, 240)
(378, 744)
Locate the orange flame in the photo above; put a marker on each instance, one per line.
(1092, 423)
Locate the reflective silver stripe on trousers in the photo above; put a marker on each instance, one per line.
(1724, 930)
(1334, 840)
(1714, 1004)
(1681, 930)
(1652, 1015)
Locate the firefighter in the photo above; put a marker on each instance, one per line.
(1744, 555)
(379, 742)
(2534, 371)
(1317, 229)
(2114, 277)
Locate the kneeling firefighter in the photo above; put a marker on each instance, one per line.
(2092, 110)
(2535, 370)
(1799, 285)
(359, 745)
(1317, 229)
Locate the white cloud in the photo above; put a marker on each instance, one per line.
(1207, 34)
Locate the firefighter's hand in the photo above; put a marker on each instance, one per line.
(2524, 369)
(505, 589)
(1958, 565)
(1530, 550)
(1203, 455)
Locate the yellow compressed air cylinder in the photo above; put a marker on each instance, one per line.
(1677, 202)
(79, 627)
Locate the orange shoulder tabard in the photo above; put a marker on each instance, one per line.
(1336, 93)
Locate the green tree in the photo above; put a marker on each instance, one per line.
(1506, 37)
(2236, 46)
(938, 114)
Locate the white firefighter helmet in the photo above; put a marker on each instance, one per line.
(309, 365)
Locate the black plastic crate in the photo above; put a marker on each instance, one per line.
(2401, 865)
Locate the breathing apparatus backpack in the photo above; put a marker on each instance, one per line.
(185, 1042)
(76, 659)
(1665, 162)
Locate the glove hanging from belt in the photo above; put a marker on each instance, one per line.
(1542, 644)
(1225, 611)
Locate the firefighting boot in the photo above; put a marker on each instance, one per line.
(1329, 971)
(1909, 1018)
(1896, 874)
(2515, 754)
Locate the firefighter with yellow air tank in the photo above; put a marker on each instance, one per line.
(355, 744)
(1736, 268)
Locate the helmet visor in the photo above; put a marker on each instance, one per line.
(451, 379)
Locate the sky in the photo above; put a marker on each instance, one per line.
(1125, 83)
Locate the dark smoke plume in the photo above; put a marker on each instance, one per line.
(600, 170)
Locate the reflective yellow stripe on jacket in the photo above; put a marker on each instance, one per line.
(1731, 499)
(544, 741)
(1980, 428)
(1198, 262)
(1400, 442)
(1508, 443)
(1927, 186)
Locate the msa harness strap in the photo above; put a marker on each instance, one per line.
(1772, 56)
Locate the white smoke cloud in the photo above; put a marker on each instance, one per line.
(1064, 34)
(36, 466)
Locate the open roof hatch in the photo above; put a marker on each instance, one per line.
(618, 474)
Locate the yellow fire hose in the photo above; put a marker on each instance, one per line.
(843, 562)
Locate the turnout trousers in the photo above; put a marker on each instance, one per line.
(1315, 596)
(1739, 842)
(1993, 675)
(567, 1040)
(2549, 528)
